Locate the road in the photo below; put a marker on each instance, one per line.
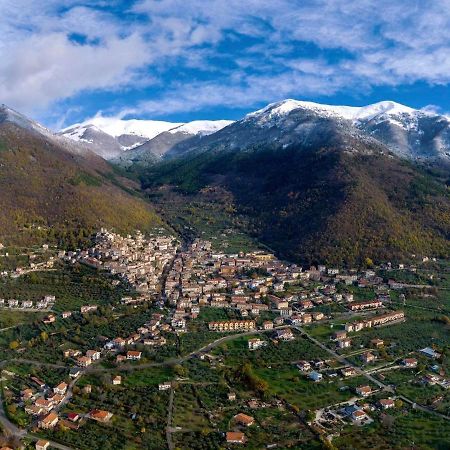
(13, 430)
(53, 444)
(169, 429)
(369, 376)
(7, 425)
(342, 359)
(181, 359)
(11, 327)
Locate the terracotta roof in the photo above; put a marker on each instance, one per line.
(100, 414)
(235, 436)
(50, 418)
(244, 419)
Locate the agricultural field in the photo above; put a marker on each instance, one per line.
(73, 286)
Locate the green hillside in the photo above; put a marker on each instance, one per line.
(49, 193)
(321, 205)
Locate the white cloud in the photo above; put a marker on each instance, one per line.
(353, 44)
(42, 69)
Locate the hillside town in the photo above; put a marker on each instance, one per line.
(189, 289)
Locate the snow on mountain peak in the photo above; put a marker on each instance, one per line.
(117, 127)
(384, 109)
(201, 127)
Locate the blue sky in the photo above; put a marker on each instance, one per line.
(64, 61)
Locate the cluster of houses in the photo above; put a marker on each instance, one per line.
(33, 267)
(45, 303)
(149, 334)
(43, 402)
(137, 260)
(240, 421)
(357, 413)
(375, 321)
(343, 341)
(201, 277)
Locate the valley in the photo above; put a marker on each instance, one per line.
(217, 284)
(180, 344)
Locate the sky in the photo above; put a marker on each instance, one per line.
(65, 61)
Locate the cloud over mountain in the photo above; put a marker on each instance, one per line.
(170, 56)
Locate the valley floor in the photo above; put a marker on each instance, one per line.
(147, 371)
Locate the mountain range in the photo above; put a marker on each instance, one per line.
(406, 132)
(321, 183)
(314, 183)
(126, 141)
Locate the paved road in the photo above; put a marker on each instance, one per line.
(343, 360)
(422, 408)
(169, 362)
(53, 444)
(38, 363)
(169, 429)
(10, 428)
(11, 327)
(369, 376)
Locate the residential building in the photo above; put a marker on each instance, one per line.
(386, 403)
(244, 419)
(315, 376)
(368, 357)
(410, 362)
(235, 437)
(42, 444)
(345, 343)
(284, 335)
(256, 343)
(304, 366)
(84, 361)
(49, 421)
(100, 415)
(364, 391)
(60, 389)
(134, 355)
(370, 304)
(232, 325)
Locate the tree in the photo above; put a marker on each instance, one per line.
(180, 370)
(368, 262)
(14, 345)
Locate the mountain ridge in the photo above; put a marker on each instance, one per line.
(407, 132)
(111, 137)
(50, 192)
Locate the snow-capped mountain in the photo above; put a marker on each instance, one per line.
(112, 138)
(171, 143)
(354, 113)
(201, 127)
(407, 132)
